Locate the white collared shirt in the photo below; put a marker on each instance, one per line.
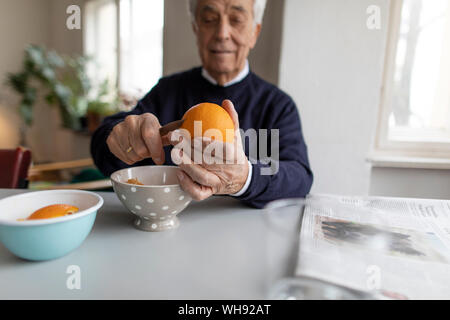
(237, 79)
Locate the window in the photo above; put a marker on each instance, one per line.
(125, 39)
(415, 107)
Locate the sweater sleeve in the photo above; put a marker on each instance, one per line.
(105, 161)
(294, 178)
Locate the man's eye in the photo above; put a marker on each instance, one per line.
(209, 19)
(236, 20)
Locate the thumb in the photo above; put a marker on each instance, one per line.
(229, 107)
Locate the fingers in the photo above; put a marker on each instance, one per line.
(138, 146)
(215, 151)
(137, 138)
(117, 150)
(196, 172)
(229, 107)
(201, 175)
(196, 191)
(203, 151)
(127, 138)
(149, 132)
(118, 143)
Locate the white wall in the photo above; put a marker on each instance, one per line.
(416, 183)
(21, 22)
(180, 50)
(331, 64)
(63, 40)
(69, 145)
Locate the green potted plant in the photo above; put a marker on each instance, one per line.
(63, 81)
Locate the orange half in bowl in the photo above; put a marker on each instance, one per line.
(53, 211)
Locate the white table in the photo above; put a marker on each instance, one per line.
(219, 251)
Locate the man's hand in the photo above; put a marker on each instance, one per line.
(223, 169)
(137, 138)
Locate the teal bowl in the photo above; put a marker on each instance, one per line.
(46, 239)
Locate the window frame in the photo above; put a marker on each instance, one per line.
(383, 146)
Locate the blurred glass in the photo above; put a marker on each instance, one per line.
(283, 220)
(303, 288)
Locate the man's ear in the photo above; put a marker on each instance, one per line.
(194, 27)
(257, 32)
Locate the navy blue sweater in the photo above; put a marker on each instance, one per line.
(259, 104)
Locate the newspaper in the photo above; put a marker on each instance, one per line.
(396, 248)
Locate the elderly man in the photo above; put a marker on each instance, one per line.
(226, 31)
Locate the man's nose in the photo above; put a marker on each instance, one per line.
(223, 30)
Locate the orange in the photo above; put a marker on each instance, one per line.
(53, 211)
(216, 123)
(135, 181)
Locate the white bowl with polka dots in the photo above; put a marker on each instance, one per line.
(157, 203)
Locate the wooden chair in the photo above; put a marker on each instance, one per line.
(14, 164)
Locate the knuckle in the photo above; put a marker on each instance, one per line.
(207, 181)
(204, 196)
(149, 115)
(116, 130)
(109, 140)
(148, 132)
(130, 120)
(128, 161)
(150, 119)
(197, 197)
(216, 186)
(133, 161)
(133, 156)
(141, 151)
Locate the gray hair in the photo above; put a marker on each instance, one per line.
(258, 10)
